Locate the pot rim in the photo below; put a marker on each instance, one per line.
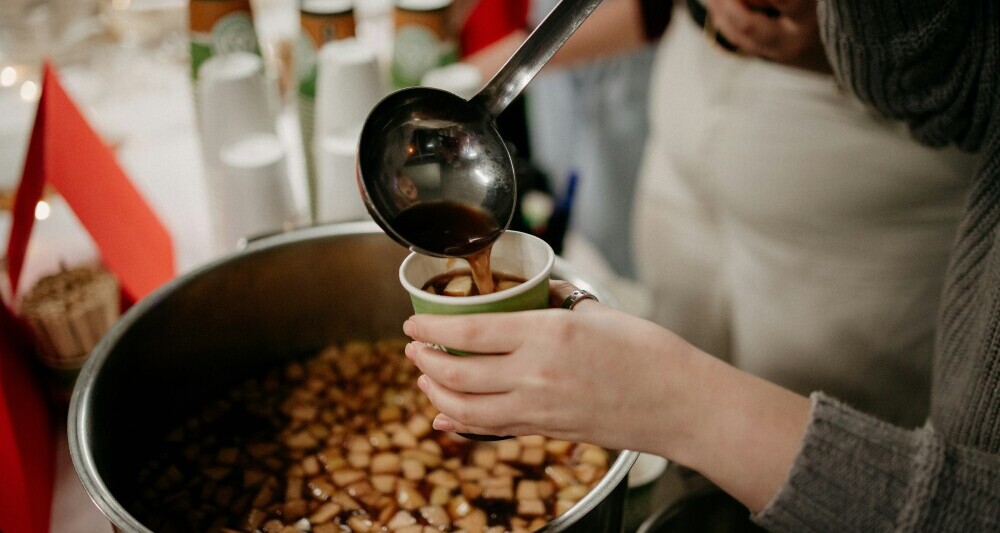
(79, 419)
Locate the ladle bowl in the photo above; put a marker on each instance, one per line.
(423, 145)
(427, 145)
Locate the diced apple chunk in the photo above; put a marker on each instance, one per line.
(320, 489)
(573, 493)
(443, 478)
(385, 463)
(384, 483)
(472, 473)
(426, 458)
(409, 498)
(527, 490)
(545, 489)
(505, 470)
(400, 520)
(472, 490)
(459, 507)
(310, 465)
(507, 284)
(474, 521)
(561, 475)
(379, 440)
(404, 439)
(440, 495)
(508, 450)
(532, 441)
(485, 457)
(562, 506)
(361, 524)
(436, 516)
(558, 447)
(498, 488)
(347, 476)
(587, 473)
(530, 507)
(413, 470)
(325, 513)
(533, 456)
(345, 501)
(594, 455)
(418, 425)
(458, 286)
(359, 459)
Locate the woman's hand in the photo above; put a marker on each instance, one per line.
(590, 374)
(601, 376)
(787, 32)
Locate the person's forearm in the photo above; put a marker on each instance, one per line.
(738, 430)
(614, 28)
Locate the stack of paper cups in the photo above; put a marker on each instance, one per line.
(321, 21)
(348, 87)
(246, 165)
(254, 196)
(236, 101)
(338, 199)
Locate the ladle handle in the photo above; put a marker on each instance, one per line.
(536, 51)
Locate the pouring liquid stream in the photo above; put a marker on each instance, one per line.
(461, 231)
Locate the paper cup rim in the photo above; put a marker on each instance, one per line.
(482, 298)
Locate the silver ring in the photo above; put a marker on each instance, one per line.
(575, 297)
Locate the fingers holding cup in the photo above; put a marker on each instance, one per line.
(482, 414)
(477, 374)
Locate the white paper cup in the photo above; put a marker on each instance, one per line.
(235, 101)
(250, 191)
(337, 196)
(348, 86)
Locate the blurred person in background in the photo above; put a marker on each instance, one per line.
(777, 223)
(589, 117)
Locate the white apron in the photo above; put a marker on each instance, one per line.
(783, 227)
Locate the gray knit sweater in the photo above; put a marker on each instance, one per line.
(936, 65)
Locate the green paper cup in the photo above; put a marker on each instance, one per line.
(515, 253)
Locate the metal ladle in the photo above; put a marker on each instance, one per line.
(422, 145)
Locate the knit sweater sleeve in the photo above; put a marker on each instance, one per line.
(931, 63)
(856, 473)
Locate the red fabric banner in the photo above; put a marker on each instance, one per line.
(67, 154)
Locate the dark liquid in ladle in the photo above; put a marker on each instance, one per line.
(456, 230)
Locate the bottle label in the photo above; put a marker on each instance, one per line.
(233, 32)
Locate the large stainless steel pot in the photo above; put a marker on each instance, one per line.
(207, 330)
